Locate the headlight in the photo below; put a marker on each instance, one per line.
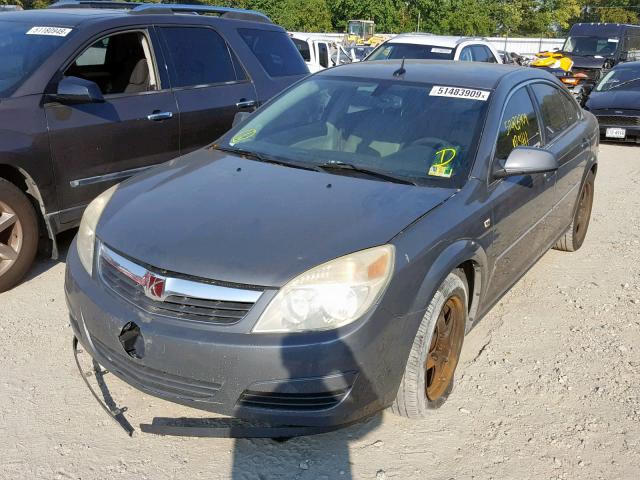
(87, 233)
(330, 295)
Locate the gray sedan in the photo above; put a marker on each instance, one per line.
(325, 259)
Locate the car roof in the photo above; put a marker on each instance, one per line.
(434, 40)
(445, 72)
(631, 65)
(72, 13)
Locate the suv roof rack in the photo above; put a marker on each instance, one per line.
(166, 8)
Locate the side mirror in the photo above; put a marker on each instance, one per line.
(527, 161)
(74, 90)
(240, 117)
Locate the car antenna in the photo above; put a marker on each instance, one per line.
(401, 70)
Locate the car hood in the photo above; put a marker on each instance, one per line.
(614, 99)
(587, 62)
(226, 218)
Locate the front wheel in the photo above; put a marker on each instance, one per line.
(574, 236)
(18, 235)
(428, 377)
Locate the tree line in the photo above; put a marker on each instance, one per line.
(545, 18)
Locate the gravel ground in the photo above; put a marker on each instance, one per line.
(547, 385)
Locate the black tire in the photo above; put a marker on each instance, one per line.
(412, 400)
(21, 234)
(574, 237)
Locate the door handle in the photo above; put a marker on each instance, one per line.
(244, 103)
(158, 116)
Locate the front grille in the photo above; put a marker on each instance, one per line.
(619, 120)
(155, 380)
(181, 307)
(292, 401)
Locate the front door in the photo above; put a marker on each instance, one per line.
(96, 145)
(520, 204)
(209, 83)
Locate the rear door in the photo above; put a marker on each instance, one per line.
(520, 204)
(96, 145)
(209, 83)
(568, 138)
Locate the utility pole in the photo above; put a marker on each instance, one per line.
(418, 21)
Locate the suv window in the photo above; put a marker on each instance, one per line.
(482, 54)
(120, 63)
(303, 48)
(275, 52)
(633, 47)
(556, 111)
(519, 125)
(200, 57)
(466, 55)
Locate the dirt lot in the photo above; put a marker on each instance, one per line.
(548, 386)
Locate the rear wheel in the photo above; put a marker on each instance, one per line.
(18, 235)
(574, 236)
(429, 374)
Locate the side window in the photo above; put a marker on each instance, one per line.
(200, 56)
(120, 63)
(552, 103)
(275, 51)
(570, 109)
(303, 48)
(482, 54)
(323, 54)
(465, 55)
(633, 47)
(519, 125)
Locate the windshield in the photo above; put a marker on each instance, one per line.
(388, 51)
(591, 46)
(417, 132)
(620, 79)
(23, 48)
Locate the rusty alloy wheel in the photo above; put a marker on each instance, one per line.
(444, 351)
(11, 237)
(583, 214)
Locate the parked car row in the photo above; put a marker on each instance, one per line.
(320, 261)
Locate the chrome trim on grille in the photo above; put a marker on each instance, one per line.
(177, 298)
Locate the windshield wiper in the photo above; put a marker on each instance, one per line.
(624, 83)
(261, 157)
(372, 173)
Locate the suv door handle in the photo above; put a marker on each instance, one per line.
(158, 116)
(244, 103)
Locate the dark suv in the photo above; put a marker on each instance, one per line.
(94, 92)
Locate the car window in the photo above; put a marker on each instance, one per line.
(397, 51)
(200, 56)
(552, 108)
(466, 55)
(423, 132)
(119, 63)
(570, 109)
(303, 48)
(519, 125)
(624, 77)
(323, 54)
(633, 47)
(482, 54)
(275, 51)
(23, 48)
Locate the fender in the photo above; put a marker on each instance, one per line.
(448, 260)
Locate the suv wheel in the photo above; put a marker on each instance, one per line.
(428, 377)
(18, 235)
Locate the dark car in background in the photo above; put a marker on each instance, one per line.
(94, 92)
(595, 48)
(326, 257)
(615, 101)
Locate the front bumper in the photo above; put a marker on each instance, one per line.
(316, 379)
(632, 134)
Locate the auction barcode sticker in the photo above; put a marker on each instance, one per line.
(52, 31)
(458, 92)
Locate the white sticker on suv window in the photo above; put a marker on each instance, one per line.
(613, 40)
(459, 92)
(51, 31)
(440, 50)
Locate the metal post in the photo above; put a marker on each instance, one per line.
(418, 21)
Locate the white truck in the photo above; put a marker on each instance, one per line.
(320, 51)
